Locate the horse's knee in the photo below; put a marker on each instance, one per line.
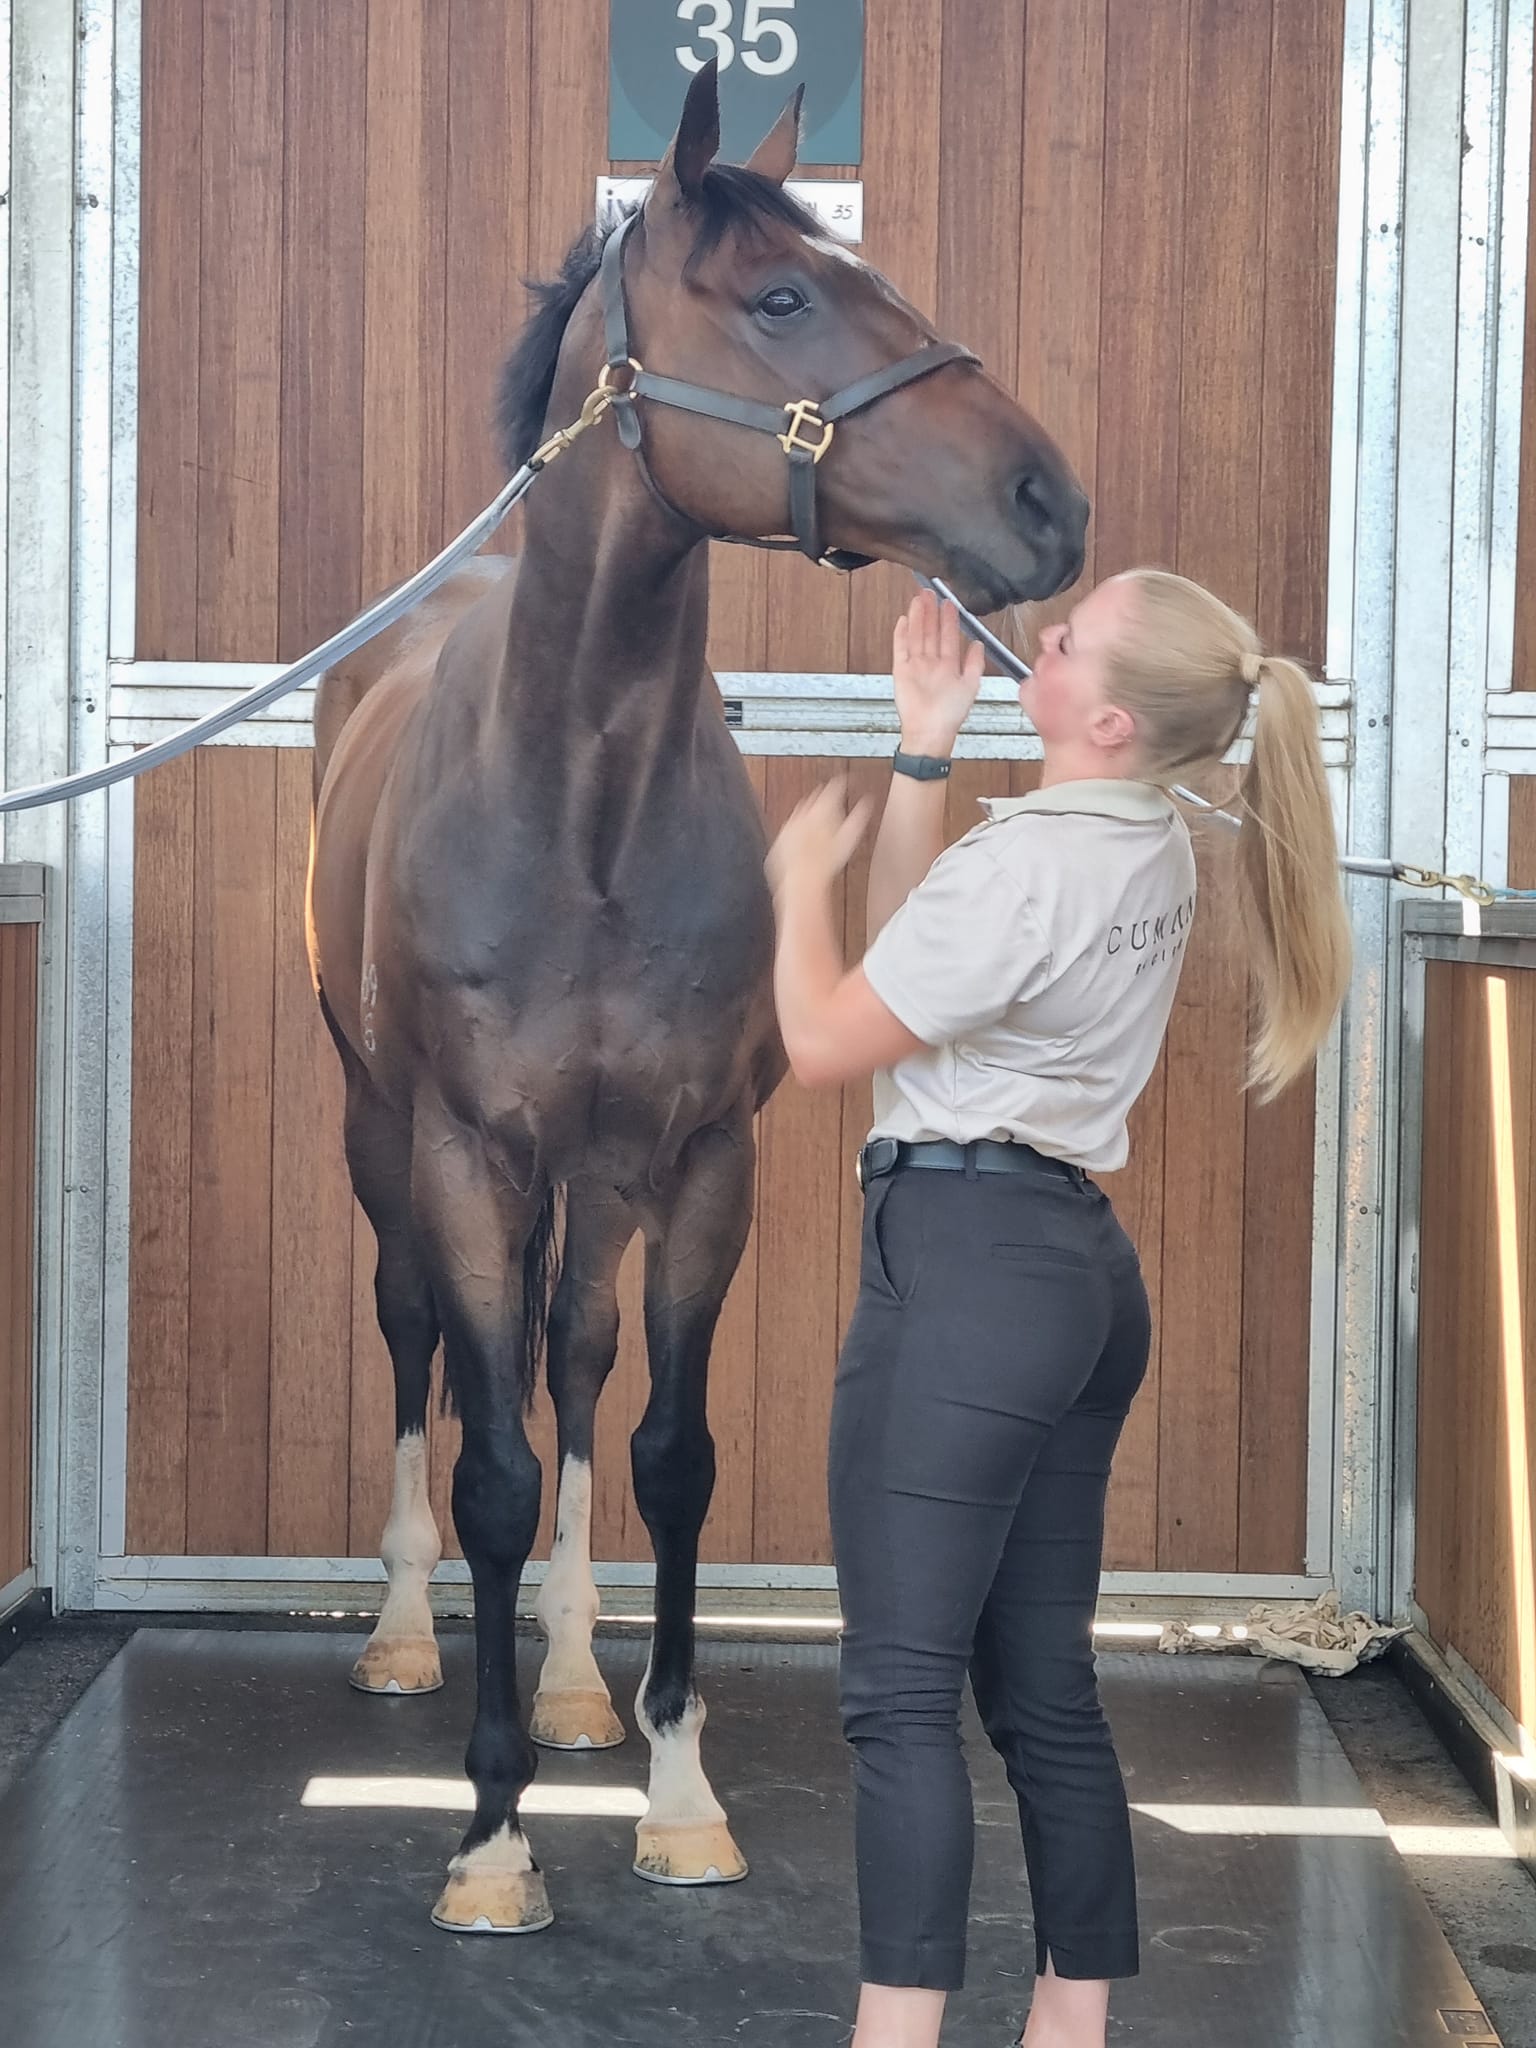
(673, 1462)
(406, 1312)
(583, 1342)
(496, 1501)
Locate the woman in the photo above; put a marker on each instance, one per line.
(1011, 1006)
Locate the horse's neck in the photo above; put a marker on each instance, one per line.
(608, 619)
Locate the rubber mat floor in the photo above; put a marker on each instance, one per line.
(223, 1844)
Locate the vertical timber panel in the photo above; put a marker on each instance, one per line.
(229, 1306)
(159, 1260)
(241, 330)
(1063, 209)
(325, 166)
(1219, 430)
(403, 290)
(18, 1181)
(170, 236)
(309, 1431)
(798, 1256)
(1291, 615)
(903, 57)
(489, 107)
(1141, 277)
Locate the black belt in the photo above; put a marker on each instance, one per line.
(984, 1155)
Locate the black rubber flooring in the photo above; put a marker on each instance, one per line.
(164, 1884)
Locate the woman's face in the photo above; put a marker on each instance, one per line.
(1066, 697)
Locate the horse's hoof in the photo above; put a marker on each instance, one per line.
(398, 1664)
(493, 1902)
(575, 1720)
(688, 1852)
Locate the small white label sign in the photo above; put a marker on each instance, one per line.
(837, 203)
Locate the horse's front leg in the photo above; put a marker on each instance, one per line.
(473, 1227)
(684, 1837)
(572, 1708)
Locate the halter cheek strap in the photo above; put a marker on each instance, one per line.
(804, 427)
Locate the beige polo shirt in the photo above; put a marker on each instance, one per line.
(1038, 961)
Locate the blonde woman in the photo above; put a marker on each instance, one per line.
(1011, 1008)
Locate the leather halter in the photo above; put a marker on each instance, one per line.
(803, 427)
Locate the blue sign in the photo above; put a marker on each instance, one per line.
(765, 48)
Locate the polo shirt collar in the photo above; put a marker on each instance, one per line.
(1140, 803)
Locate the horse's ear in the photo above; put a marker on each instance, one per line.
(697, 141)
(776, 155)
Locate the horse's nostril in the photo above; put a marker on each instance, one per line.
(1033, 497)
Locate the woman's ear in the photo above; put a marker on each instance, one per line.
(1113, 728)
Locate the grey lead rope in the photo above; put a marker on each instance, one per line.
(374, 620)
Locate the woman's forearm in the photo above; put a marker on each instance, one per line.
(807, 969)
(911, 839)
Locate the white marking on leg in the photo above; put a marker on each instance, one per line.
(506, 1854)
(411, 1546)
(495, 1889)
(568, 1604)
(369, 996)
(679, 1790)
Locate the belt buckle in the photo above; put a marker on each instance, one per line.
(877, 1158)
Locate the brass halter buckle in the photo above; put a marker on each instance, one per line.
(804, 416)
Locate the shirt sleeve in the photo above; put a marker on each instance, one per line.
(961, 951)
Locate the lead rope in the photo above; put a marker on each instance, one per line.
(380, 615)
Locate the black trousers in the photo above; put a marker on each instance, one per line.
(1000, 1336)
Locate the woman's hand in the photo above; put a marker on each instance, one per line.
(818, 841)
(936, 683)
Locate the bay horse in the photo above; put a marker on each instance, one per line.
(540, 929)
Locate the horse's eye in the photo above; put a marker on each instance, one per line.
(783, 302)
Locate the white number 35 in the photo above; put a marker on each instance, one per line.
(756, 29)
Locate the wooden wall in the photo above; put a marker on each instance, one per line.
(260, 1416)
(1522, 793)
(1477, 1320)
(1129, 207)
(18, 1181)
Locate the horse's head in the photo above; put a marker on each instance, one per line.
(732, 287)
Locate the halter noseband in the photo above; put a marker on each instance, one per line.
(803, 427)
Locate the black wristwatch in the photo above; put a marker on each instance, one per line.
(921, 767)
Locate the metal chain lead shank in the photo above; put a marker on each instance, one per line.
(1475, 890)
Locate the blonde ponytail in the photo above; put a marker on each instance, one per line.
(1186, 673)
(1289, 860)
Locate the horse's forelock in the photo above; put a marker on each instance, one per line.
(733, 199)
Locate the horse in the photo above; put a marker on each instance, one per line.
(540, 930)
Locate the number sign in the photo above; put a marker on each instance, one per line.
(765, 48)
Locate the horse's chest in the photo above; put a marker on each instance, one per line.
(621, 1021)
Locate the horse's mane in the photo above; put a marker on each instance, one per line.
(730, 198)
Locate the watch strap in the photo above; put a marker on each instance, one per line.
(921, 767)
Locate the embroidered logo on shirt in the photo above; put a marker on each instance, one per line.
(1154, 940)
